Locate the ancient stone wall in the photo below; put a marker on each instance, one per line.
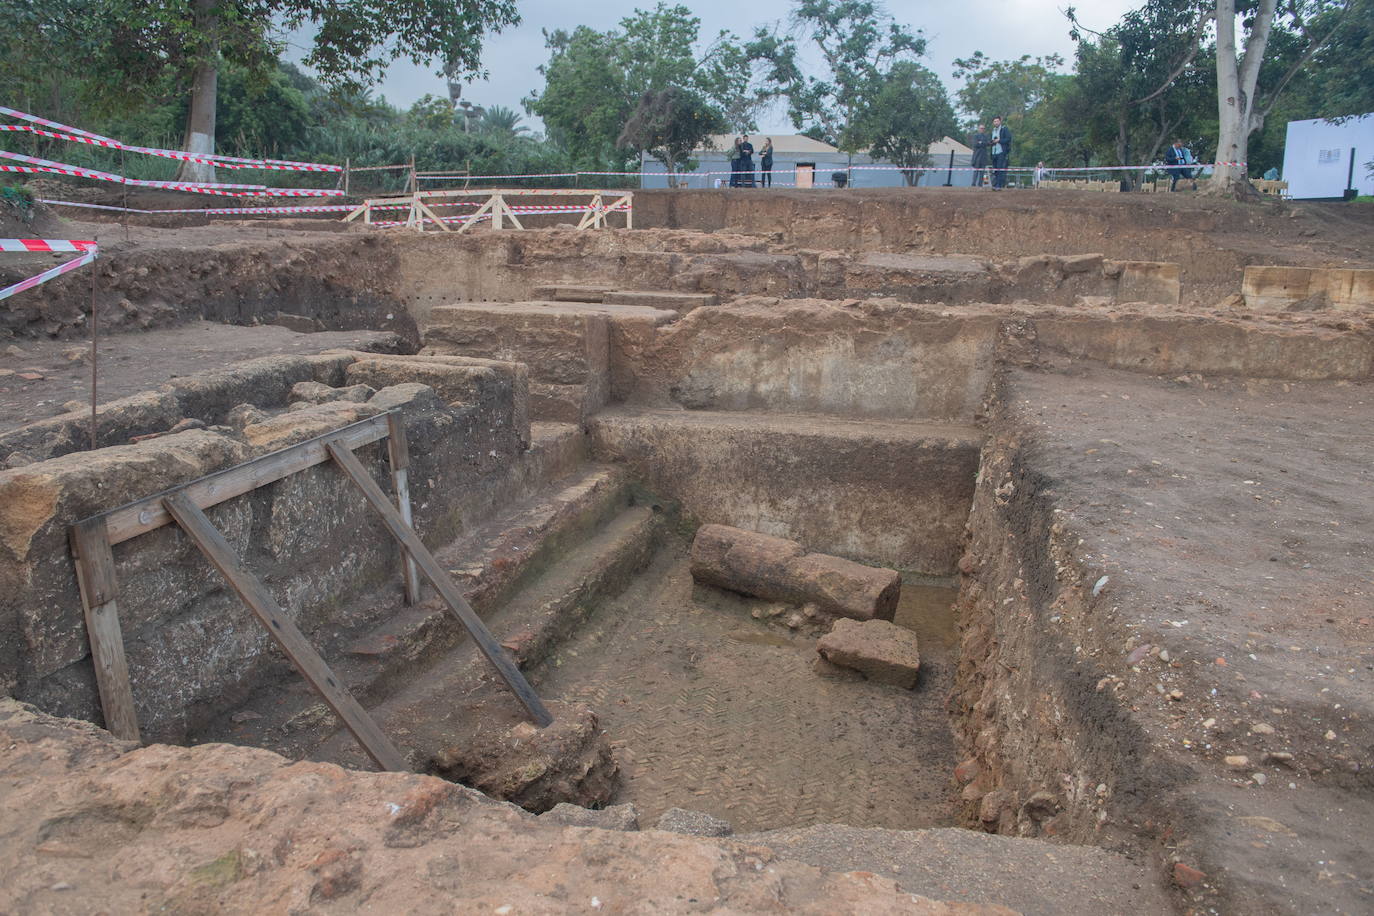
(192, 647)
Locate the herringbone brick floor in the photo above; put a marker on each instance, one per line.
(714, 711)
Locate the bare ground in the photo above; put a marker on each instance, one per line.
(1232, 518)
(711, 709)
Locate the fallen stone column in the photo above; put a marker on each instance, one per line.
(780, 570)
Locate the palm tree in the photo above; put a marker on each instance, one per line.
(498, 119)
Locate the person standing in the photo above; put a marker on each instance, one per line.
(735, 162)
(1001, 151)
(766, 163)
(1179, 155)
(980, 156)
(746, 163)
(1041, 174)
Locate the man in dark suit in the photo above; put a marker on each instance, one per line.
(980, 156)
(1178, 155)
(1001, 151)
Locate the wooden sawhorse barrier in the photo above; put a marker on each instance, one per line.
(93, 538)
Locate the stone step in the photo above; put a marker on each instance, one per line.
(682, 303)
(426, 715)
(1034, 877)
(488, 564)
(892, 493)
(573, 291)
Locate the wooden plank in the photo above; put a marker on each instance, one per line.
(498, 212)
(95, 574)
(148, 514)
(511, 213)
(500, 660)
(357, 211)
(260, 601)
(399, 454)
(473, 218)
(589, 218)
(432, 215)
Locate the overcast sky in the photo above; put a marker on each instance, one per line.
(999, 28)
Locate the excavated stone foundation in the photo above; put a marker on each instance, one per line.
(1119, 490)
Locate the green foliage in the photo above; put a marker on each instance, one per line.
(1008, 89)
(595, 80)
(858, 43)
(907, 113)
(668, 124)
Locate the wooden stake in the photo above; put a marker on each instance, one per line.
(500, 660)
(399, 454)
(260, 601)
(95, 575)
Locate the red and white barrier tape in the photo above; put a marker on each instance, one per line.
(77, 135)
(35, 164)
(88, 254)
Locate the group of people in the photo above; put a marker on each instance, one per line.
(991, 150)
(742, 174)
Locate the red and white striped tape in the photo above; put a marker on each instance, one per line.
(35, 164)
(88, 254)
(77, 135)
(46, 245)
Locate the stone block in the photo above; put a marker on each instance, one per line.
(878, 649)
(1275, 288)
(682, 303)
(1155, 282)
(781, 570)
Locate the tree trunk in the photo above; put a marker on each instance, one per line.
(1236, 79)
(200, 124)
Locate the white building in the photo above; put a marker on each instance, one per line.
(1322, 159)
(792, 150)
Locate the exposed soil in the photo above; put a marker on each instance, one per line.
(713, 710)
(1232, 520)
(132, 362)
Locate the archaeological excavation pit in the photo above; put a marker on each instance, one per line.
(1084, 454)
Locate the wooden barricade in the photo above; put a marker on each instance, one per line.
(496, 208)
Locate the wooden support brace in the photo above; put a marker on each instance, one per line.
(432, 215)
(99, 600)
(511, 214)
(498, 211)
(500, 660)
(399, 454)
(260, 601)
(467, 223)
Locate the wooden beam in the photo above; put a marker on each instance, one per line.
(260, 601)
(500, 660)
(473, 218)
(399, 454)
(432, 215)
(148, 514)
(95, 574)
(511, 213)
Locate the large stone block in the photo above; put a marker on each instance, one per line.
(1274, 288)
(1155, 282)
(781, 570)
(878, 649)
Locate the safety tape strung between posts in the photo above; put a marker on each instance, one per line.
(88, 254)
(77, 135)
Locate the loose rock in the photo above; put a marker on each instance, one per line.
(879, 649)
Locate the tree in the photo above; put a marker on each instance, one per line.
(1004, 88)
(858, 44)
(909, 112)
(133, 47)
(501, 121)
(594, 80)
(668, 124)
(1242, 103)
(1133, 78)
